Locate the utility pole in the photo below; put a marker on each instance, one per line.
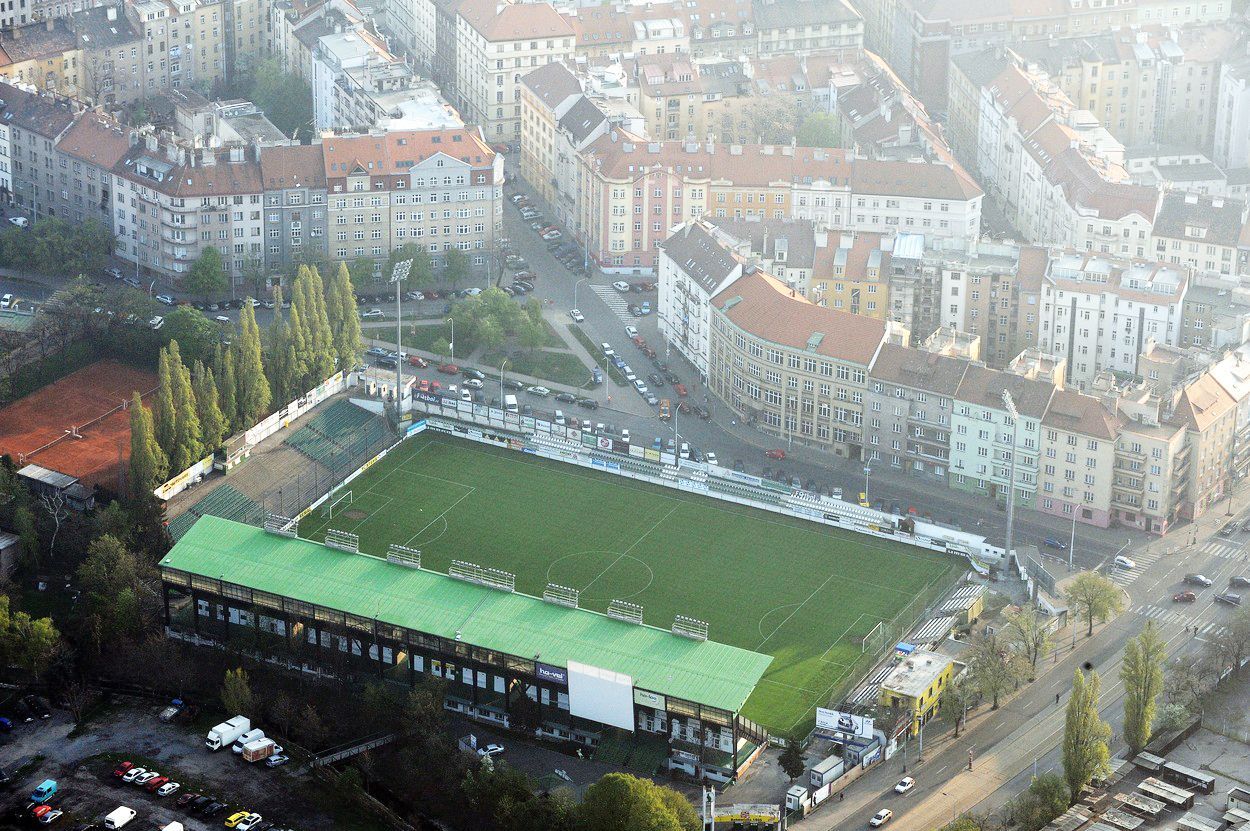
(398, 275)
(1011, 485)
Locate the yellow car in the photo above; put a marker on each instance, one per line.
(863, 500)
(235, 818)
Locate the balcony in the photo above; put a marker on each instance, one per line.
(1130, 454)
(1129, 485)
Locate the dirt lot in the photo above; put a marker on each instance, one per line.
(82, 764)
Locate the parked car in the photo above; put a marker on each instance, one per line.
(490, 750)
(168, 789)
(277, 760)
(577, 316)
(20, 221)
(449, 369)
(775, 453)
(370, 314)
(540, 391)
(1054, 542)
(1237, 580)
(37, 705)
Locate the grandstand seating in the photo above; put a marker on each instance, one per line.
(225, 502)
(337, 437)
(641, 752)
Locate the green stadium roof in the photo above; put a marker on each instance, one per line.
(710, 673)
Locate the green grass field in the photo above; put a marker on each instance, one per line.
(800, 592)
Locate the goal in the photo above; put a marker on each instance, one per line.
(344, 499)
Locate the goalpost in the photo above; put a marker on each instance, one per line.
(328, 510)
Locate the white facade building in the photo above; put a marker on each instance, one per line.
(694, 266)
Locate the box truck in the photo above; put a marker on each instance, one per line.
(226, 732)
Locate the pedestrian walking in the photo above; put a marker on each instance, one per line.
(1056, 698)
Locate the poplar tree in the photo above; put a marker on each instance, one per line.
(1085, 735)
(252, 387)
(212, 421)
(226, 389)
(346, 323)
(188, 447)
(277, 363)
(148, 465)
(1142, 674)
(166, 412)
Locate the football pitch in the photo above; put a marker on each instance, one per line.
(802, 593)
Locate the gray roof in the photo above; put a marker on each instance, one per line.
(43, 114)
(918, 369)
(49, 477)
(552, 83)
(796, 236)
(94, 30)
(1222, 218)
(984, 387)
(582, 119)
(981, 67)
(699, 255)
(1202, 172)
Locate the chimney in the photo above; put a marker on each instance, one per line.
(208, 157)
(50, 23)
(151, 143)
(111, 12)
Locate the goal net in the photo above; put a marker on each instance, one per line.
(342, 501)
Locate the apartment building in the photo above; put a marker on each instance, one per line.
(296, 209)
(784, 248)
(547, 94)
(437, 188)
(1152, 461)
(988, 443)
(1077, 467)
(979, 295)
(35, 123)
(696, 98)
(636, 191)
(796, 370)
(1232, 373)
(695, 265)
(1216, 317)
(1209, 415)
(804, 27)
(909, 410)
(110, 70)
(1206, 234)
(86, 154)
(1231, 146)
(43, 54)
(1147, 84)
(497, 44)
(851, 273)
(184, 42)
(1098, 313)
(1059, 177)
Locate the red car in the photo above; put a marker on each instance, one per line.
(418, 361)
(156, 783)
(423, 385)
(681, 390)
(1184, 597)
(122, 768)
(639, 341)
(776, 453)
(449, 369)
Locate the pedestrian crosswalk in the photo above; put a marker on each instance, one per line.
(1126, 576)
(1164, 615)
(1224, 550)
(615, 301)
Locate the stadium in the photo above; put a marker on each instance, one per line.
(658, 626)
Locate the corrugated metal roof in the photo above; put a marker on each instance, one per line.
(707, 672)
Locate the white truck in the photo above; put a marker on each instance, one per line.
(247, 738)
(226, 732)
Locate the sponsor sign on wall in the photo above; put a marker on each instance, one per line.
(547, 672)
(650, 699)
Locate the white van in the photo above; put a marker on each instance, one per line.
(119, 817)
(510, 405)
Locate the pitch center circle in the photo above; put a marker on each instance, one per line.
(602, 575)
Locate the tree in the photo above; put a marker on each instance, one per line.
(818, 130)
(166, 411)
(362, 270)
(958, 697)
(111, 578)
(29, 643)
(532, 336)
(285, 98)
(212, 422)
(1029, 632)
(187, 449)
(207, 276)
(57, 507)
(1045, 799)
(195, 333)
(78, 698)
(1094, 598)
(442, 347)
(1189, 679)
(344, 319)
(965, 823)
(994, 667)
(252, 388)
(1085, 735)
(491, 335)
(223, 369)
(1231, 646)
(456, 270)
(311, 728)
(279, 353)
(792, 759)
(148, 465)
(1141, 671)
(621, 802)
(236, 693)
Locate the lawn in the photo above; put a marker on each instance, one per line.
(560, 367)
(803, 593)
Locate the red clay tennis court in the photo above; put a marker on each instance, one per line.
(93, 400)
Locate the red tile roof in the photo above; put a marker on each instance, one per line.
(505, 21)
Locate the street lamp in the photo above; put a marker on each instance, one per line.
(398, 275)
(1072, 538)
(575, 285)
(1010, 404)
(501, 366)
(867, 471)
(451, 344)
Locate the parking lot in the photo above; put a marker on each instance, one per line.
(82, 763)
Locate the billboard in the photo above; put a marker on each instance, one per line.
(601, 695)
(748, 813)
(546, 672)
(650, 699)
(843, 724)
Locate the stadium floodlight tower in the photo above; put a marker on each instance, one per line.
(1010, 404)
(398, 275)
